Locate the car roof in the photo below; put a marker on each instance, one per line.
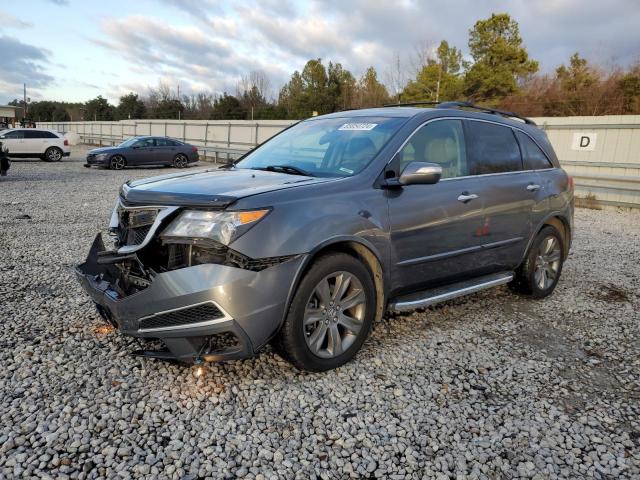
(428, 113)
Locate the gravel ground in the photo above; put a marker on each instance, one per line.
(490, 386)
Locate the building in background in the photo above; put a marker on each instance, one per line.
(7, 116)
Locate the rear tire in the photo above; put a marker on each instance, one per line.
(538, 275)
(117, 162)
(330, 316)
(52, 154)
(180, 161)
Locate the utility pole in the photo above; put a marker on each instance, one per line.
(179, 102)
(25, 100)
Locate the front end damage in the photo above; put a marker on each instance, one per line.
(201, 299)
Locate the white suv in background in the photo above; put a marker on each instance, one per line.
(35, 142)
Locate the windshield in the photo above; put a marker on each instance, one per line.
(327, 147)
(128, 142)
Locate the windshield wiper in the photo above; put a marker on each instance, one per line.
(290, 169)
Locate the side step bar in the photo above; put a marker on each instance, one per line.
(441, 294)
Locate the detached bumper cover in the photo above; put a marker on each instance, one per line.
(185, 308)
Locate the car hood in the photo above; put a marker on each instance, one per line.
(96, 151)
(210, 188)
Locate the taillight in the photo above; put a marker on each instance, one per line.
(572, 183)
(66, 142)
(194, 149)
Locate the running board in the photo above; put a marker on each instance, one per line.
(441, 294)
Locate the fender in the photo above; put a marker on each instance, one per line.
(563, 218)
(309, 259)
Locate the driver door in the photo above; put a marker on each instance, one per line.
(13, 141)
(435, 229)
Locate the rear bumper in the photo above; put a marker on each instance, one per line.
(247, 305)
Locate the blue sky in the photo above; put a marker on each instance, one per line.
(74, 50)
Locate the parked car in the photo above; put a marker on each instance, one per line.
(309, 238)
(144, 151)
(48, 145)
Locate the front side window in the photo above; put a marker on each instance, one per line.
(326, 147)
(145, 142)
(15, 134)
(492, 149)
(441, 142)
(533, 157)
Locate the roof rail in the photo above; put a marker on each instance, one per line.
(469, 105)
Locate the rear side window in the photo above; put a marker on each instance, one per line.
(492, 149)
(163, 142)
(533, 157)
(440, 142)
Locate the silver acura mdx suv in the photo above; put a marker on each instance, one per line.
(310, 238)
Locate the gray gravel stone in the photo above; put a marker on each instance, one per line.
(488, 386)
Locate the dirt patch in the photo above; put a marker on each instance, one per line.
(609, 293)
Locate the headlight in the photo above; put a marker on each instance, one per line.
(102, 156)
(223, 227)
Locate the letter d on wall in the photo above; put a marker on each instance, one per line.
(585, 142)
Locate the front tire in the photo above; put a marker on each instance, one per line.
(117, 162)
(331, 314)
(53, 154)
(538, 275)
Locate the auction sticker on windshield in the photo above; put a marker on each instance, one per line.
(358, 126)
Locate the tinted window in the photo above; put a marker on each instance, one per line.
(14, 134)
(492, 149)
(49, 135)
(163, 142)
(144, 142)
(439, 142)
(33, 134)
(534, 158)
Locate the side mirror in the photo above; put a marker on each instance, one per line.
(420, 173)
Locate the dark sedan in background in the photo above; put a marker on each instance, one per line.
(144, 151)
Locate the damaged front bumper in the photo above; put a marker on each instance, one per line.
(206, 312)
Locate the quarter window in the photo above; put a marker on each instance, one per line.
(440, 142)
(534, 158)
(492, 149)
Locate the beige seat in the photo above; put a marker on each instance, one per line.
(444, 152)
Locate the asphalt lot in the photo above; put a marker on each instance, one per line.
(488, 386)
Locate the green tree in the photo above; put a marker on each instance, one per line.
(130, 106)
(500, 59)
(370, 92)
(629, 86)
(439, 79)
(228, 107)
(341, 86)
(99, 109)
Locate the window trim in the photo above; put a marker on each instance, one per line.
(426, 122)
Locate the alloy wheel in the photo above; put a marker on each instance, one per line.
(547, 262)
(117, 162)
(180, 161)
(54, 155)
(334, 314)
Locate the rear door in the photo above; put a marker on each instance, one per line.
(13, 141)
(495, 159)
(166, 149)
(35, 142)
(433, 227)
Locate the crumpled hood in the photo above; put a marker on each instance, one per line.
(211, 188)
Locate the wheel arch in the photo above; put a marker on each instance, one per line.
(560, 223)
(356, 247)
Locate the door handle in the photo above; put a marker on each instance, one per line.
(465, 197)
(533, 187)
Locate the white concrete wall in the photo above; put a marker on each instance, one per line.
(610, 172)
